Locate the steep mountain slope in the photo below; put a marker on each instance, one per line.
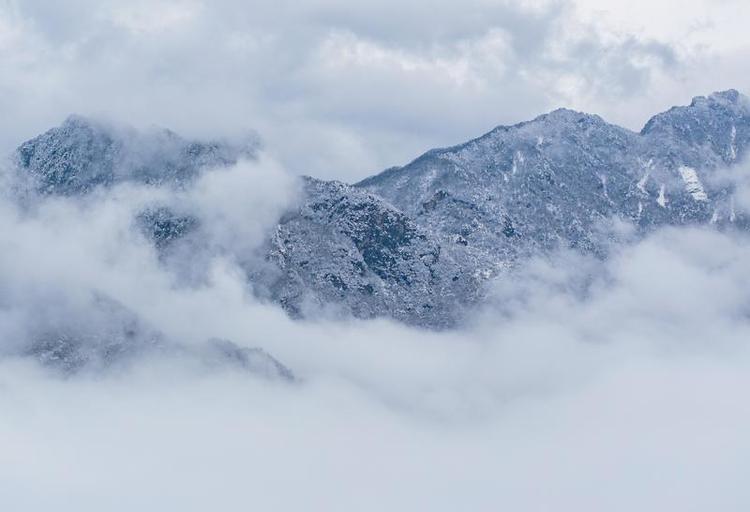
(350, 250)
(455, 217)
(551, 181)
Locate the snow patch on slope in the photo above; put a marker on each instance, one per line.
(642, 182)
(693, 184)
(662, 199)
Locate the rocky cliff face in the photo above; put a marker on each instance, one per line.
(347, 249)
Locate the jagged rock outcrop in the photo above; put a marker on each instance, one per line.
(345, 248)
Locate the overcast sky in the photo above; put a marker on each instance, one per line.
(343, 89)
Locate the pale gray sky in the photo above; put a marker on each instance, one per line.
(343, 89)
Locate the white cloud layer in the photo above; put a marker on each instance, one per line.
(582, 386)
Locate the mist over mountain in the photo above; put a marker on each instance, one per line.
(340, 256)
(558, 293)
(419, 243)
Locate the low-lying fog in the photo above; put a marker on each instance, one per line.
(582, 385)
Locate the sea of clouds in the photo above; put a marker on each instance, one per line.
(581, 385)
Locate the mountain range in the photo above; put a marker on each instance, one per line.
(419, 243)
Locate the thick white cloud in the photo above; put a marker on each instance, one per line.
(584, 385)
(617, 385)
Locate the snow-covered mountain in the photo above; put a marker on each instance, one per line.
(348, 249)
(417, 243)
(550, 181)
(82, 154)
(457, 217)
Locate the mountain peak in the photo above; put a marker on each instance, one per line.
(729, 105)
(78, 120)
(80, 124)
(568, 113)
(82, 154)
(566, 116)
(731, 99)
(730, 96)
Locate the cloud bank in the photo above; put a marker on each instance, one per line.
(582, 385)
